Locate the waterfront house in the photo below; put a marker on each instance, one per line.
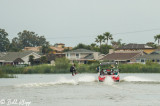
(153, 57)
(17, 58)
(83, 55)
(137, 47)
(122, 57)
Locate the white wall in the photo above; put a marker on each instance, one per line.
(26, 58)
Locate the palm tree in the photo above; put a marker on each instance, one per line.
(108, 37)
(157, 37)
(100, 39)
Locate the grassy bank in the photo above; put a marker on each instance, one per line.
(140, 68)
(4, 75)
(47, 69)
(62, 65)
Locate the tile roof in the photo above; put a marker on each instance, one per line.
(80, 51)
(2, 54)
(57, 48)
(11, 56)
(120, 56)
(136, 46)
(35, 49)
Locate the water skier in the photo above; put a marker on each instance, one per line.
(73, 70)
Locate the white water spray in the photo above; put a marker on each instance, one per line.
(109, 80)
(136, 79)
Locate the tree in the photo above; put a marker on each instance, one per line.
(108, 37)
(30, 39)
(100, 39)
(45, 49)
(94, 47)
(117, 44)
(4, 41)
(81, 46)
(31, 59)
(105, 48)
(15, 45)
(152, 44)
(43, 59)
(62, 64)
(157, 37)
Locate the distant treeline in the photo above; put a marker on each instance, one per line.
(31, 39)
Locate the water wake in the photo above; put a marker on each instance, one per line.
(136, 79)
(87, 78)
(108, 81)
(62, 81)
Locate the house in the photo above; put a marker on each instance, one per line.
(83, 55)
(122, 57)
(153, 57)
(2, 54)
(137, 47)
(17, 58)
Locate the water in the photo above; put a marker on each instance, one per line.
(82, 90)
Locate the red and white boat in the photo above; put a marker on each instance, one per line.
(112, 73)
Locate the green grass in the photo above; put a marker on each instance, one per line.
(140, 68)
(4, 75)
(81, 68)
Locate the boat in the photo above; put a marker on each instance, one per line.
(112, 72)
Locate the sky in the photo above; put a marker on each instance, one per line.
(80, 21)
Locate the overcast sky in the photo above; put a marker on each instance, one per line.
(80, 21)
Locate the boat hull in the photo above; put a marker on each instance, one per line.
(114, 77)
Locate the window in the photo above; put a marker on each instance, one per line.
(77, 55)
(142, 60)
(68, 55)
(128, 61)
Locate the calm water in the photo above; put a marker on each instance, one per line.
(82, 90)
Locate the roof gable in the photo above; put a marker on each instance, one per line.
(11, 56)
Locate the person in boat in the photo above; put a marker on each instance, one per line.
(73, 70)
(97, 69)
(102, 72)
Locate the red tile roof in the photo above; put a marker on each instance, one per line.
(59, 49)
(120, 56)
(35, 49)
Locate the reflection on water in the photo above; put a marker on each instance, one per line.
(83, 89)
